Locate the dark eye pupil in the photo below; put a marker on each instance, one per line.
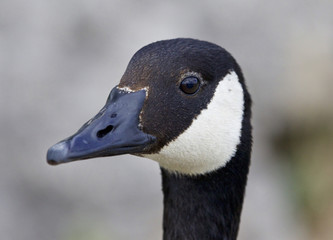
(190, 85)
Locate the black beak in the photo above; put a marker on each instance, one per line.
(113, 131)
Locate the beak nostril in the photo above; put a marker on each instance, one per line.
(105, 131)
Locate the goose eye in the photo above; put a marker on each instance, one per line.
(190, 85)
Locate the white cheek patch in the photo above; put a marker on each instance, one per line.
(212, 138)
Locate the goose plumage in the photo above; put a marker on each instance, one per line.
(183, 103)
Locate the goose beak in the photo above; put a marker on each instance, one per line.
(113, 131)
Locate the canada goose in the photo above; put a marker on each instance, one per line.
(184, 104)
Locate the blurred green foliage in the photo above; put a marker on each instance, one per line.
(306, 145)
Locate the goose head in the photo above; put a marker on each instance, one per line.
(180, 102)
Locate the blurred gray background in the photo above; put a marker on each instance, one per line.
(59, 60)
